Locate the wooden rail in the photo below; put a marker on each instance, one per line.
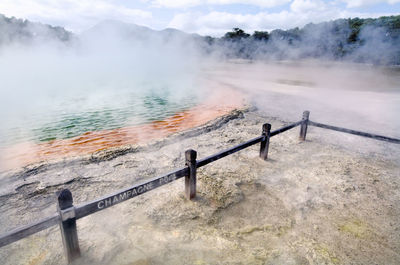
(128, 193)
(67, 213)
(27, 230)
(364, 134)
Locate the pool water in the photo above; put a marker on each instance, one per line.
(67, 117)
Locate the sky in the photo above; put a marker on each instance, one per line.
(205, 17)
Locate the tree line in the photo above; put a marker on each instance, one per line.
(370, 40)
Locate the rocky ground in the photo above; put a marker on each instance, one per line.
(333, 199)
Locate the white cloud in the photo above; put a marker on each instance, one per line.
(302, 13)
(361, 3)
(193, 3)
(73, 14)
(300, 6)
(217, 23)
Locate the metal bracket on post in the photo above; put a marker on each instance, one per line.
(264, 146)
(69, 233)
(304, 125)
(190, 179)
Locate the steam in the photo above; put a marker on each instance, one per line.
(111, 65)
(377, 48)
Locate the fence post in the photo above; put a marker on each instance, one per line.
(69, 233)
(190, 179)
(304, 125)
(264, 146)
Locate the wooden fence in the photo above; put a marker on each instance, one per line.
(67, 213)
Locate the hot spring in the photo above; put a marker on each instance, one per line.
(73, 115)
(59, 100)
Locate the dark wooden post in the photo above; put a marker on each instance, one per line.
(69, 233)
(190, 180)
(266, 133)
(304, 125)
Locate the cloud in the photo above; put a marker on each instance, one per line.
(301, 13)
(217, 23)
(73, 14)
(299, 6)
(193, 3)
(362, 3)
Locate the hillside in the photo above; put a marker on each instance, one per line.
(13, 30)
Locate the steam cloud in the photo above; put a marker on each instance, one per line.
(47, 72)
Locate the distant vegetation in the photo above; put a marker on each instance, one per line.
(374, 41)
(22, 31)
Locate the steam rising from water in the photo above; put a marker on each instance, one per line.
(114, 75)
